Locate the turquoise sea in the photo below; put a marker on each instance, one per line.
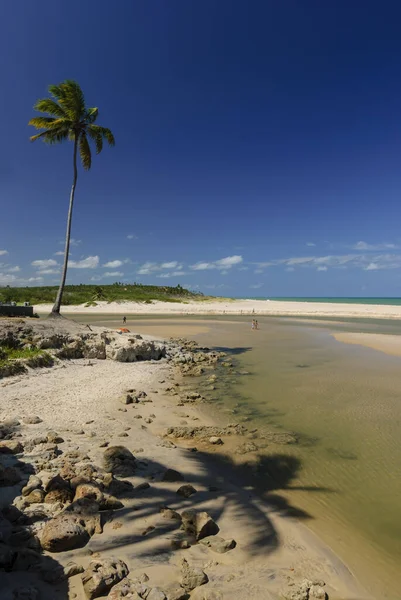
(333, 300)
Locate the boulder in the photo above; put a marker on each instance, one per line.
(64, 532)
(317, 591)
(11, 447)
(89, 490)
(34, 483)
(35, 497)
(101, 575)
(127, 589)
(175, 592)
(54, 438)
(62, 495)
(156, 594)
(172, 476)
(32, 420)
(26, 593)
(119, 461)
(218, 544)
(199, 524)
(191, 577)
(216, 441)
(186, 490)
(9, 476)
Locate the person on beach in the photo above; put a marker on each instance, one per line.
(253, 324)
(124, 320)
(256, 325)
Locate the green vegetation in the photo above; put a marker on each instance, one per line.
(11, 359)
(92, 294)
(70, 119)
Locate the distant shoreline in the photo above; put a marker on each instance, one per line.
(235, 307)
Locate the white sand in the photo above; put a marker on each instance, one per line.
(389, 344)
(272, 549)
(234, 307)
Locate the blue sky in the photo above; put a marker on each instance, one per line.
(258, 145)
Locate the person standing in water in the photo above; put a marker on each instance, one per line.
(253, 324)
(124, 320)
(256, 325)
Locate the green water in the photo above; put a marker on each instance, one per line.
(344, 404)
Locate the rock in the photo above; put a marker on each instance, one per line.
(186, 490)
(148, 420)
(11, 447)
(101, 575)
(246, 448)
(180, 544)
(72, 569)
(54, 438)
(62, 495)
(168, 513)
(9, 476)
(175, 592)
(123, 434)
(218, 544)
(127, 589)
(34, 482)
(119, 461)
(216, 441)
(35, 497)
(316, 591)
(142, 486)
(32, 420)
(26, 593)
(199, 525)
(172, 476)
(64, 532)
(156, 594)
(192, 577)
(89, 490)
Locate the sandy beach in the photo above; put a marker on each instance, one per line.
(81, 400)
(234, 307)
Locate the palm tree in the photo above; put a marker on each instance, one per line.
(70, 119)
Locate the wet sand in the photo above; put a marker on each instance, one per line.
(342, 401)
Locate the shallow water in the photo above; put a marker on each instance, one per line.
(344, 403)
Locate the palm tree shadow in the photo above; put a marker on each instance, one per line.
(247, 493)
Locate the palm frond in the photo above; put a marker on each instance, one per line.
(91, 115)
(49, 106)
(57, 136)
(85, 152)
(105, 133)
(57, 92)
(33, 138)
(73, 100)
(48, 123)
(96, 137)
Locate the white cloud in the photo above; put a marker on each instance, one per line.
(290, 269)
(15, 269)
(256, 286)
(149, 268)
(173, 274)
(365, 246)
(91, 262)
(243, 268)
(310, 244)
(321, 269)
(113, 274)
(3, 252)
(49, 271)
(33, 279)
(367, 262)
(44, 264)
(222, 263)
(113, 264)
(59, 253)
(132, 236)
(7, 279)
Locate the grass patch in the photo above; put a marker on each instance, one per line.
(15, 359)
(92, 294)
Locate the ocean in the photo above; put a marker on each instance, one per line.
(331, 300)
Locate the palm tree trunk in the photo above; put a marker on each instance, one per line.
(57, 304)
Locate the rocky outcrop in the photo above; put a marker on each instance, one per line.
(198, 524)
(73, 528)
(218, 544)
(101, 575)
(192, 577)
(120, 461)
